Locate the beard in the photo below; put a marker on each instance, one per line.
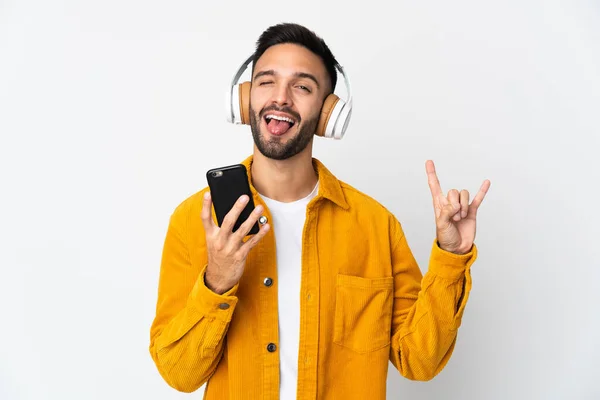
(274, 148)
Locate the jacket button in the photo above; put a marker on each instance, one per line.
(271, 347)
(263, 220)
(268, 282)
(224, 306)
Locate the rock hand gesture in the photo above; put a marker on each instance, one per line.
(455, 218)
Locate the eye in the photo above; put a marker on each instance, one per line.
(263, 83)
(302, 87)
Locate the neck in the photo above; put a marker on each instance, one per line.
(284, 180)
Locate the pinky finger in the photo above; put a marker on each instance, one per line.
(253, 241)
(481, 194)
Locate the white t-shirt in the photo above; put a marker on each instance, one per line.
(287, 224)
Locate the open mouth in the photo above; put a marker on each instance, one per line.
(278, 124)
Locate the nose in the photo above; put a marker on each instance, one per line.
(282, 96)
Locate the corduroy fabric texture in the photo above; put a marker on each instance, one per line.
(364, 302)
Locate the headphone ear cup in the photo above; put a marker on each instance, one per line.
(326, 111)
(342, 118)
(245, 102)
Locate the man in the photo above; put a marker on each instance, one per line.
(316, 306)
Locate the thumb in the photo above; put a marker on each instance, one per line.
(448, 211)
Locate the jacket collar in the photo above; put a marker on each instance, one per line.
(329, 186)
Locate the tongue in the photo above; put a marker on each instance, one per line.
(278, 127)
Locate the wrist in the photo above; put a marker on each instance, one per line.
(454, 250)
(214, 285)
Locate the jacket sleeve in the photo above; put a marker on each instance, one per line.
(191, 322)
(428, 309)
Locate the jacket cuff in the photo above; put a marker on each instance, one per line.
(211, 304)
(449, 265)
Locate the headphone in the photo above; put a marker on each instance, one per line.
(335, 113)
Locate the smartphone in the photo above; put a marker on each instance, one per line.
(226, 185)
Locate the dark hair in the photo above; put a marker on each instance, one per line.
(297, 34)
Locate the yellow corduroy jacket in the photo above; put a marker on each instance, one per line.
(364, 301)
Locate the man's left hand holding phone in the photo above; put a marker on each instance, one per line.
(226, 247)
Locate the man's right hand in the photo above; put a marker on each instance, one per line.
(227, 250)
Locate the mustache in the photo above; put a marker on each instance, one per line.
(286, 110)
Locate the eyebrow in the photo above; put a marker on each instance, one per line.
(306, 75)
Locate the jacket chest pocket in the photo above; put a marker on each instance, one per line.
(363, 312)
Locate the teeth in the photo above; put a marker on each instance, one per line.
(277, 117)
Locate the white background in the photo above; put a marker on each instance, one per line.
(112, 111)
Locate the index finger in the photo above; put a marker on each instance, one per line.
(432, 179)
(232, 216)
